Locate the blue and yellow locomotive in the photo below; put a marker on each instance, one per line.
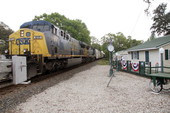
(48, 47)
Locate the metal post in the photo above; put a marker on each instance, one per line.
(150, 71)
(111, 64)
(110, 48)
(162, 69)
(117, 64)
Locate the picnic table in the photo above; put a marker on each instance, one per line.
(158, 80)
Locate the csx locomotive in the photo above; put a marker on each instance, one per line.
(48, 48)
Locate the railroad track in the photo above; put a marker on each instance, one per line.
(7, 86)
(10, 94)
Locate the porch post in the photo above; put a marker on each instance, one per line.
(162, 69)
(161, 51)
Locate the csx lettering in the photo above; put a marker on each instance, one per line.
(23, 41)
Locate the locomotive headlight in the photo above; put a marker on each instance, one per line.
(22, 33)
(25, 50)
(37, 37)
(6, 51)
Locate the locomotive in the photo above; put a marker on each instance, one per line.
(48, 48)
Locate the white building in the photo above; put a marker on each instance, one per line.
(150, 52)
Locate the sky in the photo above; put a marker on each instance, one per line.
(100, 16)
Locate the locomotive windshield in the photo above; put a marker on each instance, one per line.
(37, 25)
(41, 27)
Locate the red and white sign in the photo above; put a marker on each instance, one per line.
(124, 65)
(135, 66)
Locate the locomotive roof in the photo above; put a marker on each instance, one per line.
(39, 22)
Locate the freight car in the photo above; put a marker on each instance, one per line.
(48, 48)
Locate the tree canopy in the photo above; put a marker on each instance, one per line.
(5, 31)
(95, 43)
(152, 37)
(161, 20)
(76, 28)
(119, 41)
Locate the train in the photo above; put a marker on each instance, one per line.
(48, 48)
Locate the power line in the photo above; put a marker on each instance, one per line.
(137, 20)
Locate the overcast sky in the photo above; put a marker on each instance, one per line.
(100, 16)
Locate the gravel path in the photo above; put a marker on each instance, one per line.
(86, 92)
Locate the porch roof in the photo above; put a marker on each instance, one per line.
(153, 44)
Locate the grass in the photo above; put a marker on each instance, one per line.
(103, 62)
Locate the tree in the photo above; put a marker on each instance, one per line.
(94, 40)
(161, 24)
(161, 20)
(119, 41)
(96, 46)
(149, 4)
(133, 42)
(76, 28)
(5, 31)
(2, 46)
(95, 43)
(152, 36)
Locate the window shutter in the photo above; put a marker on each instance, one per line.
(132, 55)
(166, 54)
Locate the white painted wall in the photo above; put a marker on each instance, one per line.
(166, 62)
(153, 57)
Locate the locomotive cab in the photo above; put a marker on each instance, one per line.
(29, 40)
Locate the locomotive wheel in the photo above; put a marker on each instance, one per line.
(157, 87)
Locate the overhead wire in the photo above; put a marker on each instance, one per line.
(139, 15)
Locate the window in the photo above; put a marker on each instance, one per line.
(53, 30)
(41, 27)
(55, 49)
(67, 37)
(56, 31)
(135, 55)
(28, 34)
(61, 33)
(46, 27)
(64, 34)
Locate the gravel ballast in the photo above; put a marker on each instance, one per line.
(87, 92)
